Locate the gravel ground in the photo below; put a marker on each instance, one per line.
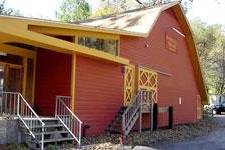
(214, 140)
(206, 132)
(155, 139)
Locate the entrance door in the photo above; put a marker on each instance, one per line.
(10, 81)
(11, 78)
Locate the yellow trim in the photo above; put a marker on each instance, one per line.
(47, 23)
(129, 83)
(70, 32)
(76, 40)
(40, 40)
(11, 65)
(17, 51)
(73, 81)
(148, 80)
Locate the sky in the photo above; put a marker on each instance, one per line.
(210, 11)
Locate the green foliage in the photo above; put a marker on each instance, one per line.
(115, 6)
(73, 10)
(102, 11)
(210, 42)
(3, 9)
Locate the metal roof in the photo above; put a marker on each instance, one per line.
(138, 21)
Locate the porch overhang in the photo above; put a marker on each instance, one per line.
(20, 34)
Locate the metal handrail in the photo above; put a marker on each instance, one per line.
(31, 109)
(14, 103)
(132, 110)
(69, 120)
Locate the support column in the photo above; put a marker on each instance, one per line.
(155, 116)
(24, 76)
(140, 122)
(170, 115)
(34, 80)
(73, 82)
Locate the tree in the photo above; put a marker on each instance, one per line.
(186, 4)
(4, 10)
(104, 10)
(114, 6)
(73, 10)
(210, 42)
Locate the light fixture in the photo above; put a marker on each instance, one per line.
(146, 45)
(3, 54)
(178, 32)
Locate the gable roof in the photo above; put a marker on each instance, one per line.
(139, 21)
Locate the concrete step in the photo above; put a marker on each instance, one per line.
(57, 140)
(49, 133)
(47, 126)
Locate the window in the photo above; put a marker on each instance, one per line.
(171, 43)
(106, 45)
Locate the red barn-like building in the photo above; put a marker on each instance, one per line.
(104, 69)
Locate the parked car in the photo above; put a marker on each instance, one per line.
(219, 108)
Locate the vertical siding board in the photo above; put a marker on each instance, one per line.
(53, 75)
(99, 93)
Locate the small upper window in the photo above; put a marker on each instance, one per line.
(106, 45)
(171, 43)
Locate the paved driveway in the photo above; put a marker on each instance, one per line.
(213, 141)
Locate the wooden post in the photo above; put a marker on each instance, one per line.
(73, 77)
(155, 116)
(140, 118)
(24, 76)
(170, 117)
(34, 79)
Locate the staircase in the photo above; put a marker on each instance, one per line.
(39, 132)
(126, 117)
(54, 133)
(115, 127)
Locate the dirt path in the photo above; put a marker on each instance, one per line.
(215, 140)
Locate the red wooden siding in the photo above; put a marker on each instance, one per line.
(99, 93)
(52, 78)
(178, 64)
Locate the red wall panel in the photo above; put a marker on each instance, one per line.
(53, 75)
(181, 83)
(99, 93)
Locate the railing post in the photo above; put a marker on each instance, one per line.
(66, 116)
(80, 134)
(56, 106)
(123, 124)
(140, 118)
(42, 137)
(18, 104)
